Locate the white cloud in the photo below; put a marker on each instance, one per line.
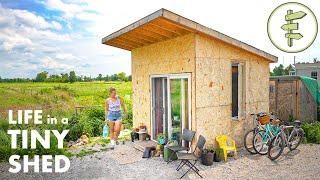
(23, 29)
(49, 63)
(66, 56)
(28, 18)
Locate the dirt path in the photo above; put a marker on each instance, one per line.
(125, 163)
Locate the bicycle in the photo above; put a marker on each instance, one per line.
(282, 140)
(262, 138)
(248, 137)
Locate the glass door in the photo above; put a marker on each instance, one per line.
(159, 106)
(171, 105)
(179, 105)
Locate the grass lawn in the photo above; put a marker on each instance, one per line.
(59, 97)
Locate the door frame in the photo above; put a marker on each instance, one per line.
(170, 76)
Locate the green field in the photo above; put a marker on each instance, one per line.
(60, 98)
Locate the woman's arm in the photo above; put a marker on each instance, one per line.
(106, 108)
(123, 105)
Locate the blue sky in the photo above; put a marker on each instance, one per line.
(63, 35)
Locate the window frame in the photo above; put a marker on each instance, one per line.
(314, 74)
(241, 89)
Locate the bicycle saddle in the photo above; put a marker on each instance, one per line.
(297, 122)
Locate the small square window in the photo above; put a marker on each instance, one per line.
(314, 74)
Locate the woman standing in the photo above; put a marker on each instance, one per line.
(114, 114)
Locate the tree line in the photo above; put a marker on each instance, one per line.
(70, 77)
(281, 70)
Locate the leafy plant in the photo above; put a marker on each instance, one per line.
(218, 154)
(312, 132)
(92, 121)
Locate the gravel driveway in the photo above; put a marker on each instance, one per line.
(125, 163)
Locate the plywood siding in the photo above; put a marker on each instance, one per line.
(213, 88)
(167, 57)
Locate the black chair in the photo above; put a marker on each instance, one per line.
(187, 136)
(186, 158)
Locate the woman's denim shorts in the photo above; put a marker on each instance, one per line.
(114, 116)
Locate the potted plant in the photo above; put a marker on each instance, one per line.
(161, 138)
(207, 156)
(218, 155)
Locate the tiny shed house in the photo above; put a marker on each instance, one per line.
(185, 75)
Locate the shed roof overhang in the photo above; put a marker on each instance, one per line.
(163, 25)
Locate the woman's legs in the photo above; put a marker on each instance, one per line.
(117, 128)
(111, 129)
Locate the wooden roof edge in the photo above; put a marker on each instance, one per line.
(216, 34)
(180, 20)
(134, 25)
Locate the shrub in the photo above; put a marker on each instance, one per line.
(91, 121)
(312, 132)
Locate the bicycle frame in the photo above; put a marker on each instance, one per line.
(269, 133)
(284, 135)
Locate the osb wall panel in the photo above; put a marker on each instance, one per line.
(213, 88)
(168, 57)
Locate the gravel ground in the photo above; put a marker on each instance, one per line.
(303, 163)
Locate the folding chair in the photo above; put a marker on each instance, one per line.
(187, 135)
(186, 158)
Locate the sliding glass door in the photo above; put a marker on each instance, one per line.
(171, 105)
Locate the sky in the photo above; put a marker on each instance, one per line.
(59, 36)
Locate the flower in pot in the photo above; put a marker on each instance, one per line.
(161, 139)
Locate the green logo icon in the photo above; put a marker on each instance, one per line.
(299, 31)
(290, 26)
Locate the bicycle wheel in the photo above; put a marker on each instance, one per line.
(260, 142)
(294, 140)
(276, 148)
(248, 141)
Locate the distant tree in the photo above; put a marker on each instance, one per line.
(114, 77)
(281, 71)
(64, 77)
(72, 77)
(87, 79)
(278, 71)
(99, 78)
(107, 78)
(42, 76)
(122, 77)
(79, 78)
(130, 78)
(53, 78)
(315, 60)
(288, 69)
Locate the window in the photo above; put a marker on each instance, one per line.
(238, 90)
(292, 73)
(314, 74)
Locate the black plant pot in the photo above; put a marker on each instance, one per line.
(217, 157)
(207, 158)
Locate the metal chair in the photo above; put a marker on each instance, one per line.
(187, 135)
(186, 158)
